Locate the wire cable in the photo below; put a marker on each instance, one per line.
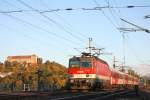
(111, 12)
(43, 43)
(70, 27)
(105, 14)
(40, 28)
(5, 1)
(51, 20)
(71, 9)
(36, 26)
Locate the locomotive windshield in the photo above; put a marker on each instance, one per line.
(79, 62)
(74, 63)
(86, 63)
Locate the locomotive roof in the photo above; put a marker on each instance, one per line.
(74, 57)
(101, 60)
(78, 58)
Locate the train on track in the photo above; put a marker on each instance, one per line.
(90, 72)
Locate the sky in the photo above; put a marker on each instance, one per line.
(56, 36)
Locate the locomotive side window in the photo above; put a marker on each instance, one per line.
(74, 63)
(86, 64)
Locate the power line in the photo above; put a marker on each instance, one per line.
(107, 17)
(111, 12)
(120, 15)
(117, 29)
(5, 1)
(71, 27)
(105, 14)
(39, 28)
(59, 16)
(137, 6)
(71, 9)
(64, 20)
(27, 36)
(21, 11)
(44, 43)
(51, 20)
(147, 16)
(17, 11)
(31, 38)
(10, 28)
(139, 27)
(97, 8)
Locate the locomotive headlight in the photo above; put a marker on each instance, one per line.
(71, 81)
(71, 75)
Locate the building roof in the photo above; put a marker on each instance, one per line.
(21, 56)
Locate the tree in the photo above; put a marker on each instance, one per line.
(52, 75)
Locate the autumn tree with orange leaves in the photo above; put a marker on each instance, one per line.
(25, 76)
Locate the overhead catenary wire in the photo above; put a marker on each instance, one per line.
(123, 37)
(111, 12)
(123, 34)
(108, 18)
(39, 41)
(80, 33)
(13, 12)
(147, 16)
(22, 11)
(119, 10)
(70, 9)
(23, 21)
(16, 31)
(17, 11)
(44, 43)
(105, 14)
(51, 20)
(70, 27)
(114, 25)
(139, 27)
(120, 15)
(6, 2)
(40, 28)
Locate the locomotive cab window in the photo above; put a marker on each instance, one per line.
(74, 63)
(86, 64)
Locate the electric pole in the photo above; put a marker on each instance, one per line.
(90, 48)
(124, 58)
(114, 64)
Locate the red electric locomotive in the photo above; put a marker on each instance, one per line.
(90, 72)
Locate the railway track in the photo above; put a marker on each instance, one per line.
(93, 95)
(65, 95)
